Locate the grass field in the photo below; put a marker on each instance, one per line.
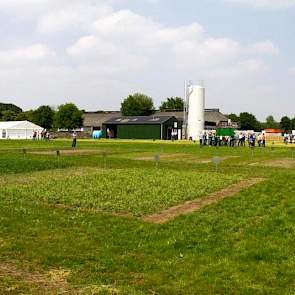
(76, 223)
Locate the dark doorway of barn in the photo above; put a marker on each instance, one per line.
(169, 133)
(111, 131)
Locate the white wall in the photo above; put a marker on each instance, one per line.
(18, 134)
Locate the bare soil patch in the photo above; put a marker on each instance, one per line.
(162, 156)
(67, 152)
(182, 157)
(195, 205)
(280, 163)
(53, 282)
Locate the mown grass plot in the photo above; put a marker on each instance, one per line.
(137, 191)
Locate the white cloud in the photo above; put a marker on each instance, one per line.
(124, 35)
(83, 45)
(111, 53)
(264, 47)
(86, 48)
(291, 71)
(268, 4)
(16, 3)
(33, 53)
(56, 15)
(252, 65)
(124, 24)
(69, 17)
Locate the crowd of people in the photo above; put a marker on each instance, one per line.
(238, 139)
(289, 138)
(206, 138)
(43, 135)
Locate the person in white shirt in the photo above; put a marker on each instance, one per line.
(74, 142)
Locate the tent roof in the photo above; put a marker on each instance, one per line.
(19, 125)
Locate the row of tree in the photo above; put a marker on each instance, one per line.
(142, 105)
(67, 116)
(248, 121)
(139, 104)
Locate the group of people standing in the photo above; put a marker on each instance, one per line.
(238, 139)
(289, 138)
(43, 135)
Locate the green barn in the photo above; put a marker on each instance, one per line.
(143, 127)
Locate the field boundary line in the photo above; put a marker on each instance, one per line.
(197, 204)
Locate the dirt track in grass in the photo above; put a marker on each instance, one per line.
(182, 157)
(67, 152)
(195, 205)
(279, 163)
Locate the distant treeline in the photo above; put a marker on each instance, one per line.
(66, 116)
(248, 121)
(8, 107)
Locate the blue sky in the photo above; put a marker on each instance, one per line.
(94, 53)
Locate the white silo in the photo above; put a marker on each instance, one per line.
(196, 111)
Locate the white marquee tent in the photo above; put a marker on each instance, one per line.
(18, 130)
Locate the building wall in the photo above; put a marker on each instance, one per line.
(139, 131)
(171, 124)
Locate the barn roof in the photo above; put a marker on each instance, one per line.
(211, 115)
(138, 120)
(215, 116)
(97, 119)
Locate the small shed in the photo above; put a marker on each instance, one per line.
(273, 132)
(18, 130)
(143, 127)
